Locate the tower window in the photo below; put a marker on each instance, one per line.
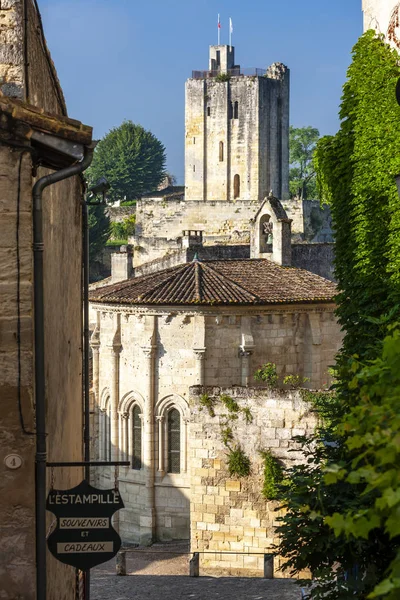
(136, 439)
(236, 186)
(230, 110)
(194, 140)
(174, 441)
(208, 111)
(221, 151)
(194, 168)
(236, 110)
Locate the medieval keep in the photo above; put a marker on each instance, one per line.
(208, 293)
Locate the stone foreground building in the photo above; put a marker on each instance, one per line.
(37, 138)
(203, 323)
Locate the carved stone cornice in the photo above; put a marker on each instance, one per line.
(199, 353)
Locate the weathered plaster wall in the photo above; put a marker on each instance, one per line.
(17, 500)
(62, 269)
(229, 513)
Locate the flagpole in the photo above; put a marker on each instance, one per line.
(219, 31)
(230, 32)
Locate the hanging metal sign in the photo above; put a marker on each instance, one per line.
(84, 536)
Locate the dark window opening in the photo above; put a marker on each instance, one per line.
(194, 168)
(136, 439)
(230, 110)
(236, 186)
(208, 111)
(174, 441)
(194, 140)
(236, 110)
(221, 151)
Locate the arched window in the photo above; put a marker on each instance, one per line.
(236, 186)
(221, 151)
(107, 431)
(136, 439)
(174, 441)
(265, 234)
(236, 110)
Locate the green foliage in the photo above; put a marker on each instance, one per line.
(132, 159)
(208, 403)
(230, 403)
(295, 381)
(344, 498)
(99, 231)
(238, 462)
(356, 170)
(226, 435)
(247, 414)
(267, 374)
(302, 178)
(273, 476)
(121, 230)
(223, 77)
(372, 430)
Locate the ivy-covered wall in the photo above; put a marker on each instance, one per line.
(236, 435)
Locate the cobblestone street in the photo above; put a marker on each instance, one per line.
(154, 574)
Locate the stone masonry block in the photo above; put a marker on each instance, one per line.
(233, 486)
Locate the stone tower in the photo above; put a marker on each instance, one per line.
(237, 131)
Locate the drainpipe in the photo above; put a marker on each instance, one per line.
(40, 398)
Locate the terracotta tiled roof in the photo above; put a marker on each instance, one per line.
(220, 282)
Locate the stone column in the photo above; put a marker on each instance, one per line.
(200, 365)
(114, 401)
(96, 416)
(148, 520)
(245, 355)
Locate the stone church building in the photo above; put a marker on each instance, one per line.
(208, 296)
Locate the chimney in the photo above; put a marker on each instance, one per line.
(121, 264)
(192, 239)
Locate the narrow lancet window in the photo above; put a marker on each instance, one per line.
(236, 110)
(136, 439)
(221, 151)
(174, 441)
(236, 186)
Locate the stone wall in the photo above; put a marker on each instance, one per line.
(229, 513)
(150, 356)
(159, 224)
(317, 258)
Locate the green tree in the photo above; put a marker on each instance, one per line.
(346, 498)
(99, 232)
(132, 159)
(302, 177)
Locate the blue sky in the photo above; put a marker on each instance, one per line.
(129, 59)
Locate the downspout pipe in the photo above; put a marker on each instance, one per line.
(40, 388)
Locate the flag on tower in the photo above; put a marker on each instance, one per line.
(219, 30)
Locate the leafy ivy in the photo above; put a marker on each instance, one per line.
(343, 502)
